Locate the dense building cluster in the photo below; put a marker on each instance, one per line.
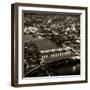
(57, 28)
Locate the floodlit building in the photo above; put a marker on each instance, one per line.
(50, 52)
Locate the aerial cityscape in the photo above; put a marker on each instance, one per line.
(51, 44)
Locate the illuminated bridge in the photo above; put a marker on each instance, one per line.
(58, 54)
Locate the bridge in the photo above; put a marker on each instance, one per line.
(58, 54)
